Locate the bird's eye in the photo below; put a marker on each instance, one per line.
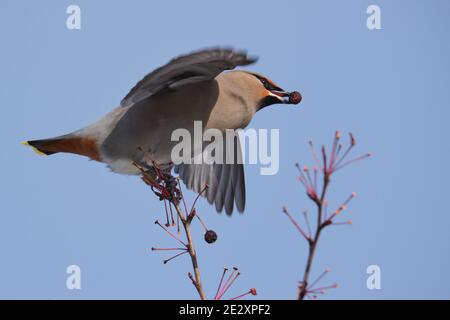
(264, 82)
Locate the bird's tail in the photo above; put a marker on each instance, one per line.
(44, 147)
(67, 143)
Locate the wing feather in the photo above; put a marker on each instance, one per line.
(194, 67)
(226, 182)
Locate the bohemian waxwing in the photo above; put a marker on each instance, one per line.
(187, 89)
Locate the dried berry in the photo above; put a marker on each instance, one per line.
(210, 236)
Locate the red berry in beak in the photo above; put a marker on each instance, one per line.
(295, 97)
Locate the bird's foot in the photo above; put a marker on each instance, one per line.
(162, 183)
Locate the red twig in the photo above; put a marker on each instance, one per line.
(328, 165)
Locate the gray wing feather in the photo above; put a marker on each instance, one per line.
(225, 181)
(197, 66)
(213, 181)
(222, 187)
(239, 193)
(229, 193)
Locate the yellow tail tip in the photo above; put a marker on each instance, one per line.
(25, 143)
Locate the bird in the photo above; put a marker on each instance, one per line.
(199, 86)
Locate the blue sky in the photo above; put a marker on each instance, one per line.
(389, 87)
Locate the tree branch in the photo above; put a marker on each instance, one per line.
(186, 222)
(328, 165)
(313, 242)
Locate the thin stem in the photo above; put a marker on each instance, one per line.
(313, 243)
(220, 283)
(191, 250)
(225, 289)
(297, 226)
(242, 295)
(161, 185)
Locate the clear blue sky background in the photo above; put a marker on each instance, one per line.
(389, 87)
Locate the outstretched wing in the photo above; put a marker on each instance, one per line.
(194, 67)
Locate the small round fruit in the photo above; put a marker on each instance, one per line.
(295, 97)
(210, 236)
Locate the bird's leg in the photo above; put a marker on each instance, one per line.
(162, 183)
(159, 178)
(171, 186)
(150, 178)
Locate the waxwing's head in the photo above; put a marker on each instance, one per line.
(256, 90)
(268, 92)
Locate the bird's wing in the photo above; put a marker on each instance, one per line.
(194, 67)
(226, 181)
